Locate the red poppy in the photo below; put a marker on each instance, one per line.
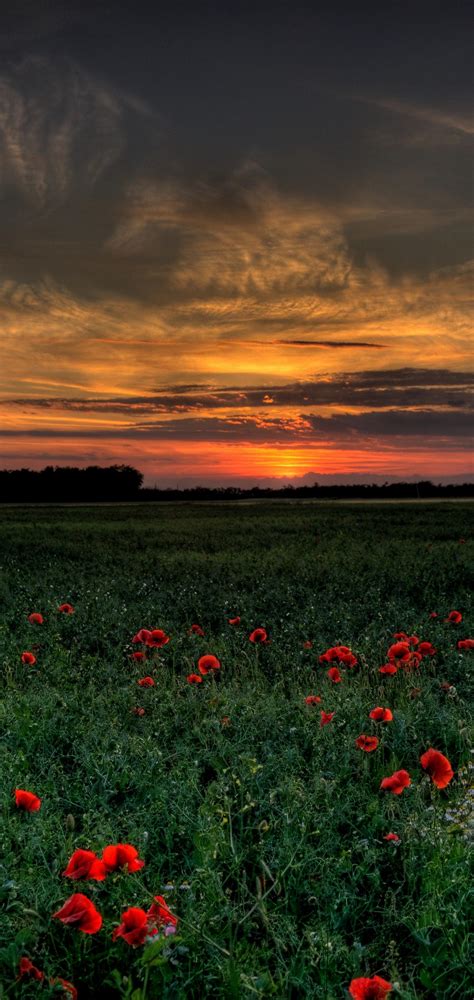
(157, 638)
(80, 911)
(367, 743)
(334, 675)
(369, 989)
(466, 644)
(70, 990)
(433, 614)
(396, 782)
(138, 711)
(160, 915)
(146, 682)
(208, 663)
(393, 837)
(142, 635)
(454, 617)
(35, 618)
(413, 640)
(139, 656)
(84, 865)
(258, 635)
(133, 928)
(116, 856)
(326, 717)
(67, 609)
(28, 658)
(339, 654)
(399, 651)
(26, 969)
(438, 767)
(234, 621)
(308, 644)
(196, 630)
(313, 699)
(401, 635)
(426, 649)
(26, 800)
(194, 678)
(381, 715)
(388, 668)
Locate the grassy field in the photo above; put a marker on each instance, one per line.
(262, 829)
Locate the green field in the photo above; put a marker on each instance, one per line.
(264, 832)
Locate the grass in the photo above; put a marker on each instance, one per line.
(266, 833)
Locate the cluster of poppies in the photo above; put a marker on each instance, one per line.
(136, 925)
(26, 970)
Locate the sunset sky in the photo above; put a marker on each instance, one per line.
(236, 240)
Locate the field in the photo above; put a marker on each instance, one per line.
(263, 830)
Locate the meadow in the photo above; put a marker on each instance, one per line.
(261, 823)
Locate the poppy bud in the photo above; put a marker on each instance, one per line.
(70, 822)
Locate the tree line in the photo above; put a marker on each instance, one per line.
(115, 483)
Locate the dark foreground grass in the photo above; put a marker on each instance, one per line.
(264, 832)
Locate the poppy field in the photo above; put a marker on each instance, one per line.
(235, 751)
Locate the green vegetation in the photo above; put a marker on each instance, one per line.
(264, 832)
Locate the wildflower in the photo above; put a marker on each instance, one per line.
(466, 644)
(133, 927)
(334, 675)
(196, 630)
(433, 614)
(381, 715)
(388, 668)
(367, 743)
(339, 654)
(313, 699)
(234, 621)
(208, 663)
(258, 635)
(139, 656)
(308, 644)
(369, 989)
(84, 865)
(142, 635)
(326, 717)
(70, 990)
(66, 609)
(393, 837)
(426, 649)
(146, 682)
(116, 856)
(157, 638)
(26, 970)
(454, 617)
(159, 915)
(396, 782)
(28, 658)
(413, 640)
(194, 678)
(138, 711)
(35, 618)
(399, 651)
(80, 911)
(438, 767)
(27, 800)
(401, 635)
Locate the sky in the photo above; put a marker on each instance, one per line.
(236, 240)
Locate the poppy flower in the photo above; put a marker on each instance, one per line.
(399, 651)
(196, 630)
(401, 635)
(139, 656)
(157, 638)
(381, 715)
(307, 644)
(80, 912)
(26, 800)
(28, 658)
(466, 644)
(426, 649)
(367, 743)
(133, 928)
(433, 614)
(388, 668)
(208, 663)
(116, 856)
(313, 699)
(369, 989)
(142, 635)
(234, 621)
(35, 618)
(396, 782)
(26, 970)
(326, 718)
(393, 837)
(66, 609)
(454, 617)
(438, 767)
(70, 992)
(334, 675)
(146, 682)
(258, 635)
(412, 661)
(160, 915)
(413, 640)
(194, 678)
(138, 711)
(84, 865)
(339, 654)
